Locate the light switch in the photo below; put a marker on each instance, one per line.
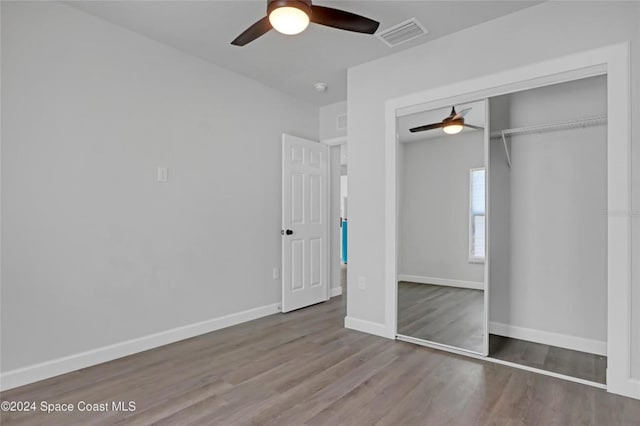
(163, 174)
(362, 283)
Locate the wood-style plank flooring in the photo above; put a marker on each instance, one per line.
(448, 315)
(559, 360)
(453, 316)
(305, 368)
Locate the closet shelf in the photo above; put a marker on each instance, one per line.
(566, 125)
(574, 124)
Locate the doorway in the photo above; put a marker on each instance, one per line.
(344, 228)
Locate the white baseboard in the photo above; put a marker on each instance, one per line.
(629, 388)
(441, 281)
(55, 367)
(335, 291)
(547, 338)
(368, 327)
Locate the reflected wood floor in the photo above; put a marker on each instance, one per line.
(304, 368)
(448, 315)
(559, 360)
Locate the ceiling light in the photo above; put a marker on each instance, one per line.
(289, 20)
(453, 127)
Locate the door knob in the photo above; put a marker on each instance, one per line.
(287, 232)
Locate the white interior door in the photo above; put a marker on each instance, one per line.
(305, 231)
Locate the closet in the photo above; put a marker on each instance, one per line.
(502, 229)
(548, 228)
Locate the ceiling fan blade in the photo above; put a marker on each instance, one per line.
(471, 126)
(461, 113)
(343, 20)
(253, 32)
(426, 127)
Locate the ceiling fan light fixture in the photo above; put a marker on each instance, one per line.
(453, 127)
(293, 16)
(289, 17)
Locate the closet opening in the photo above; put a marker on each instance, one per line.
(548, 228)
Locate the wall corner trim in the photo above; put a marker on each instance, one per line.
(369, 327)
(33, 373)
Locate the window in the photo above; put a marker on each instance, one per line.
(476, 215)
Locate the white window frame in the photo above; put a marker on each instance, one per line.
(472, 257)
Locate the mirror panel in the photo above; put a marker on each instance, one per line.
(441, 227)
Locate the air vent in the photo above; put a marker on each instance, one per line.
(403, 32)
(341, 121)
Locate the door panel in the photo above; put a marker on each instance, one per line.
(305, 213)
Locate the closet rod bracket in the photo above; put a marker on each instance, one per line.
(506, 148)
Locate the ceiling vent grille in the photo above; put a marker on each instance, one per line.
(341, 122)
(403, 32)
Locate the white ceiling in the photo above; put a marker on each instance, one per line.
(291, 64)
(475, 117)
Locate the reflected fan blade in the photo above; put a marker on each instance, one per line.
(253, 32)
(461, 113)
(471, 126)
(426, 127)
(343, 20)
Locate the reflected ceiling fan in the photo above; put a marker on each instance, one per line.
(293, 16)
(452, 124)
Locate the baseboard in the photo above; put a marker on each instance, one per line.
(629, 387)
(552, 339)
(335, 291)
(441, 281)
(48, 369)
(368, 327)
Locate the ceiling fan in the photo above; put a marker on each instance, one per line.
(293, 17)
(451, 125)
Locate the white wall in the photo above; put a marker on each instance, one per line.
(556, 254)
(328, 120)
(545, 31)
(433, 225)
(95, 251)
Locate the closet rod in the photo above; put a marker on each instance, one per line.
(573, 124)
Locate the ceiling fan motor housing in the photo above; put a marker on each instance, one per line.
(303, 5)
(453, 121)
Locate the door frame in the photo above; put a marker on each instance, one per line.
(613, 61)
(336, 142)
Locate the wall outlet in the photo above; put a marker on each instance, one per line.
(276, 273)
(362, 283)
(163, 174)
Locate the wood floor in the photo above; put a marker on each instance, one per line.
(559, 360)
(448, 315)
(453, 316)
(304, 368)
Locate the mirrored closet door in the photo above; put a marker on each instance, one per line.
(441, 226)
